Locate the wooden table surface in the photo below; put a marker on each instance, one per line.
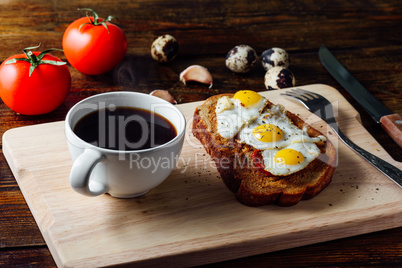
(364, 35)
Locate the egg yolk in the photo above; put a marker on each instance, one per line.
(289, 157)
(247, 97)
(268, 133)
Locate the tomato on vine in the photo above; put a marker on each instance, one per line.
(34, 83)
(93, 45)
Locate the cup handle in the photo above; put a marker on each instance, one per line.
(81, 173)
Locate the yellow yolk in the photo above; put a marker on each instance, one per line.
(268, 133)
(289, 157)
(247, 97)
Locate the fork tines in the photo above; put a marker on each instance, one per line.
(300, 94)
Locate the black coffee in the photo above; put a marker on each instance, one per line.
(125, 128)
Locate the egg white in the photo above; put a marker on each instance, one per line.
(276, 116)
(309, 151)
(231, 120)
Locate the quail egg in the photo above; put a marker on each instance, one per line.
(164, 48)
(233, 113)
(274, 57)
(241, 59)
(279, 77)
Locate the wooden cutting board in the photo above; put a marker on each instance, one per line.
(192, 218)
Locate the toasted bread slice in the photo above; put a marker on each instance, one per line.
(252, 186)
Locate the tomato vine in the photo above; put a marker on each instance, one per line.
(36, 60)
(96, 21)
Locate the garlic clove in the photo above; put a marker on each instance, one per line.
(163, 94)
(196, 73)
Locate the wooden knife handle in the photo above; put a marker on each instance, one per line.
(393, 126)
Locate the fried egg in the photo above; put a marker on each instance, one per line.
(291, 159)
(285, 148)
(233, 113)
(274, 130)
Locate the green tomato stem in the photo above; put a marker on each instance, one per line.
(96, 21)
(36, 60)
(32, 58)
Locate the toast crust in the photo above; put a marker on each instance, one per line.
(251, 186)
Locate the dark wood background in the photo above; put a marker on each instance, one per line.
(365, 35)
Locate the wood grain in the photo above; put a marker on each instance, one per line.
(360, 252)
(364, 36)
(192, 218)
(393, 126)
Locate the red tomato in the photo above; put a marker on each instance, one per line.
(93, 49)
(40, 93)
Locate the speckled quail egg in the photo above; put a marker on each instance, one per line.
(241, 59)
(164, 48)
(279, 77)
(274, 57)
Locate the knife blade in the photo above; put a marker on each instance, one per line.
(392, 123)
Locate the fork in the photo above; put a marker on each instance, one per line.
(323, 108)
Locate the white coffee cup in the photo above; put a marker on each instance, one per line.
(122, 174)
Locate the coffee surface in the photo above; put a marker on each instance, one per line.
(125, 128)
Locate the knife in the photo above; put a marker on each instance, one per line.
(391, 123)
